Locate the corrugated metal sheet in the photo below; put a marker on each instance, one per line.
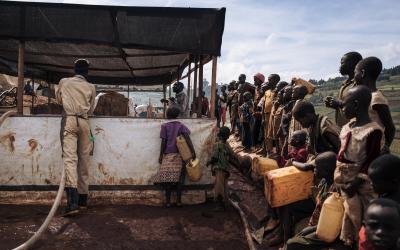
(126, 150)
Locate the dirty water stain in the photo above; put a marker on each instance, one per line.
(10, 179)
(102, 169)
(98, 130)
(32, 144)
(7, 141)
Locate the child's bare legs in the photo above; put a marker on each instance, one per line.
(179, 187)
(168, 187)
(220, 189)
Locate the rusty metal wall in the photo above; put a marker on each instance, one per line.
(126, 150)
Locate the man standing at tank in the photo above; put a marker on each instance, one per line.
(77, 96)
(181, 99)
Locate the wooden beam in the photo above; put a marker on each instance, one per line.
(99, 69)
(213, 87)
(195, 87)
(20, 89)
(188, 83)
(165, 97)
(33, 53)
(199, 101)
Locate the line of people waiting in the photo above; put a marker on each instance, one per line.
(349, 156)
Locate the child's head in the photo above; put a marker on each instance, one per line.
(382, 223)
(247, 96)
(299, 92)
(298, 139)
(304, 113)
(384, 173)
(367, 70)
(356, 101)
(325, 164)
(232, 85)
(287, 93)
(223, 88)
(280, 86)
(224, 133)
(242, 78)
(349, 62)
(259, 79)
(173, 112)
(177, 87)
(273, 80)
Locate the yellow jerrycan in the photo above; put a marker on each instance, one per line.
(193, 170)
(310, 87)
(262, 165)
(331, 218)
(183, 148)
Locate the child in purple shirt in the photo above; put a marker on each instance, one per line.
(171, 174)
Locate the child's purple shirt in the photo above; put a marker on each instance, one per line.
(169, 132)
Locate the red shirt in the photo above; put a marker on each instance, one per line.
(363, 243)
(299, 154)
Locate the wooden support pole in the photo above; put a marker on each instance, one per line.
(195, 87)
(188, 83)
(170, 90)
(20, 89)
(165, 97)
(213, 87)
(33, 95)
(199, 101)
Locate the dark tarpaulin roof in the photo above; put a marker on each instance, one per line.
(125, 45)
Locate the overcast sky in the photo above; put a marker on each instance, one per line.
(295, 38)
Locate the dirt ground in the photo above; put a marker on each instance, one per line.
(125, 227)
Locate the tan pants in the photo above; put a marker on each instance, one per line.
(267, 141)
(354, 207)
(220, 187)
(76, 153)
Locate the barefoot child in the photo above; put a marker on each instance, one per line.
(222, 156)
(361, 143)
(245, 112)
(172, 173)
(276, 115)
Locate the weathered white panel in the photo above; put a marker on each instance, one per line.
(126, 150)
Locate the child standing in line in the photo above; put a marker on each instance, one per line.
(366, 73)
(276, 115)
(361, 143)
(246, 113)
(299, 93)
(283, 132)
(171, 174)
(222, 156)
